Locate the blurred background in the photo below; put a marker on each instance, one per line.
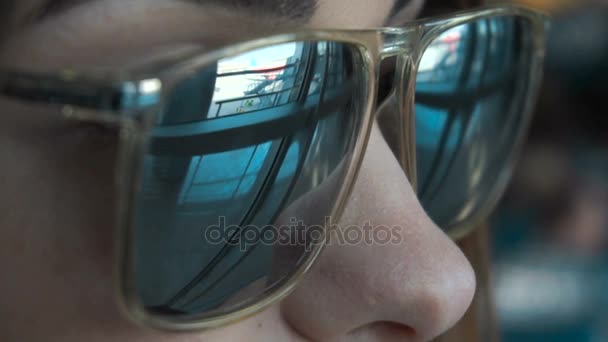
(550, 234)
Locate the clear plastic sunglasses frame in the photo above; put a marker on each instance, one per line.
(93, 97)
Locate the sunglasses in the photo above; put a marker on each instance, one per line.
(231, 161)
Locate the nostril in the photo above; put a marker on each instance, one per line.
(383, 331)
(394, 328)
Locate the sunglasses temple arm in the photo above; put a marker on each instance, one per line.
(207, 136)
(71, 90)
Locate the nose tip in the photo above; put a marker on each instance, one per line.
(416, 299)
(440, 295)
(411, 289)
(424, 283)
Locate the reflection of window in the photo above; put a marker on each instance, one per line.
(465, 104)
(443, 57)
(244, 161)
(279, 90)
(209, 180)
(466, 56)
(256, 80)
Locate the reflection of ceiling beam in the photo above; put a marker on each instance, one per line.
(251, 128)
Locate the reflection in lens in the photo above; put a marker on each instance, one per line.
(239, 142)
(471, 89)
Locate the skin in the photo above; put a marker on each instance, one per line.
(58, 201)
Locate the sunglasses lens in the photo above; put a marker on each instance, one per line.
(472, 86)
(246, 161)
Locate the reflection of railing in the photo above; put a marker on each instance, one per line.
(248, 97)
(257, 71)
(258, 89)
(233, 132)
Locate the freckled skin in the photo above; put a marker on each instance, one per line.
(58, 199)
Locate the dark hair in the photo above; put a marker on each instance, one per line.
(434, 7)
(7, 9)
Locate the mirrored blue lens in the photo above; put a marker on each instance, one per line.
(247, 150)
(471, 89)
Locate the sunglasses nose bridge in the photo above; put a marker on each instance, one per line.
(406, 97)
(399, 41)
(396, 116)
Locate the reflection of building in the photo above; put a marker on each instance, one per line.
(255, 80)
(255, 88)
(238, 154)
(469, 92)
(440, 54)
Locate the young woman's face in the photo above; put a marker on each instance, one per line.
(57, 199)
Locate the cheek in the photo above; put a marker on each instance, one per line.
(56, 239)
(59, 198)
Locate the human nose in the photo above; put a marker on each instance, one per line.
(412, 288)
